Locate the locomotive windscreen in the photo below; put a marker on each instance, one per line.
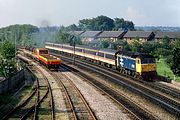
(43, 52)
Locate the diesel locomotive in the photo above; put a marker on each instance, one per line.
(42, 55)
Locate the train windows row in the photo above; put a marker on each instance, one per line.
(87, 50)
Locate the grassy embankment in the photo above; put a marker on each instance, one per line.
(164, 70)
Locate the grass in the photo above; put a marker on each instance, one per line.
(164, 70)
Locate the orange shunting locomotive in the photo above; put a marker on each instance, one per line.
(42, 55)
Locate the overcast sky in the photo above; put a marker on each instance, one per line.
(66, 12)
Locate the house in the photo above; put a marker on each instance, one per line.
(76, 33)
(159, 36)
(142, 36)
(89, 36)
(111, 35)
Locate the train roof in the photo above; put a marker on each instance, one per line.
(135, 54)
(86, 47)
(41, 48)
(111, 51)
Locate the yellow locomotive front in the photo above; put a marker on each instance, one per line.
(146, 67)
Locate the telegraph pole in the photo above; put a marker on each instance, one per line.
(74, 47)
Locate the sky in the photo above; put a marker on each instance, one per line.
(66, 12)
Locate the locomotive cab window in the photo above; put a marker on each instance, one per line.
(43, 52)
(148, 60)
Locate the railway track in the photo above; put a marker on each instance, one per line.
(173, 92)
(16, 112)
(44, 92)
(29, 108)
(166, 90)
(129, 107)
(78, 106)
(168, 103)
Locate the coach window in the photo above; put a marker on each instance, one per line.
(101, 54)
(109, 56)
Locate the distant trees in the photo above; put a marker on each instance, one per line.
(98, 23)
(120, 23)
(102, 23)
(72, 27)
(21, 33)
(64, 36)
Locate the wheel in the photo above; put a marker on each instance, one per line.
(126, 71)
(123, 71)
(129, 72)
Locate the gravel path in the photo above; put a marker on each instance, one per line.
(102, 106)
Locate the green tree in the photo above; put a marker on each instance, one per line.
(174, 59)
(7, 59)
(8, 50)
(136, 46)
(20, 33)
(103, 23)
(104, 44)
(166, 43)
(72, 27)
(119, 44)
(121, 24)
(98, 23)
(65, 37)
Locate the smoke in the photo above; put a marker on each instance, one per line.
(45, 23)
(46, 33)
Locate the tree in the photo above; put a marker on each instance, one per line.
(20, 33)
(64, 36)
(104, 44)
(72, 27)
(7, 67)
(98, 23)
(136, 46)
(121, 24)
(86, 24)
(103, 23)
(174, 60)
(7, 50)
(166, 43)
(7, 59)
